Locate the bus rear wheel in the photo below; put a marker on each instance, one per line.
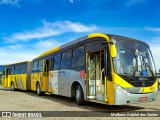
(12, 86)
(79, 95)
(38, 89)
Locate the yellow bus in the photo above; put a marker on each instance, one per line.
(16, 75)
(102, 68)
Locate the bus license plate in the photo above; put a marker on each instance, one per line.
(143, 99)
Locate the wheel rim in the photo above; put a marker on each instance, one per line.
(77, 95)
(12, 87)
(38, 90)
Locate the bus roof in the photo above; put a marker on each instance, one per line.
(63, 46)
(17, 63)
(106, 36)
(50, 51)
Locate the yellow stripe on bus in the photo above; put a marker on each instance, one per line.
(49, 51)
(99, 35)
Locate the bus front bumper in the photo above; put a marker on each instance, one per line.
(123, 97)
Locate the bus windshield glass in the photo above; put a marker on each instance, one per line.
(133, 59)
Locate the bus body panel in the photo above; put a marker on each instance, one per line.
(61, 81)
(19, 81)
(3, 80)
(35, 77)
(44, 83)
(122, 97)
(42, 79)
(151, 88)
(53, 82)
(110, 93)
(120, 81)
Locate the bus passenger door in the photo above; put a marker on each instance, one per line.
(6, 70)
(45, 75)
(95, 79)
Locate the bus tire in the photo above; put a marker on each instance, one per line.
(38, 89)
(79, 95)
(12, 86)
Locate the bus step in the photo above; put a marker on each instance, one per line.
(47, 93)
(91, 97)
(44, 90)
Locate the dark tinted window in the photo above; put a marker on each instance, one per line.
(35, 63)
(56, 65)
(57, 57)
(66, 59)
(57, 60)
(18, 67)
(78, 57)
(39, 68)
(34, 69)
(17, 71)
(13, 67)
(65, 63)
(66, 55)
(23, 71)
(24, 66)
(92, 46)
(40, 62)
(12, 72)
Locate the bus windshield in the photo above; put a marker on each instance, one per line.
(133, 59)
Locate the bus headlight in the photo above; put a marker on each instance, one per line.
(121, 89)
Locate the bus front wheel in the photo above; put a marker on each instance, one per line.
(12, 86)
(79, 95)
(38, 89)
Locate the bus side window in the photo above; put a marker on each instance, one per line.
(66, 59)
(17, 69)
(57, 61)
(12, 70)
(23, 68)
(9, 70)
(78, 57)
(39, 66)
(35, 65)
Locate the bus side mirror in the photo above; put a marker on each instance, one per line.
(113, 51)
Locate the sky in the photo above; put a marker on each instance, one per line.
(30, 27)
